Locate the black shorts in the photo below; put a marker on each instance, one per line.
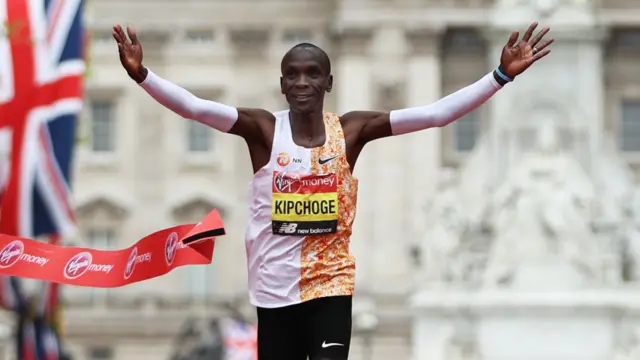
(319, 329)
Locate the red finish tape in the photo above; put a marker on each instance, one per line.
(153, 256)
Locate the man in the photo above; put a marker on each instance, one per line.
(303, 196)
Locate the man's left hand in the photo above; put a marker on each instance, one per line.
(517, 56)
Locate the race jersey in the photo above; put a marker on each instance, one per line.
(302, 207)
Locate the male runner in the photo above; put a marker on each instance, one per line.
(303, 196)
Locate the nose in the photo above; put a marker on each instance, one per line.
(302, 82)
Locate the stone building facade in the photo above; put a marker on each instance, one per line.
(140, 168)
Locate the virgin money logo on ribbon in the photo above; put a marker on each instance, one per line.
(14, 252)
(11, 253)
(171, 248)
(78, 265)
(81, 263)
(134, 259)
(131, 263)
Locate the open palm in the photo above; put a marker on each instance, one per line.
(518, 56)
(130, 50)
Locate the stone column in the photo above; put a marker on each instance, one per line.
(424, 152)
(393, 169)
(352, 87)
(249, 88)
(148, 170)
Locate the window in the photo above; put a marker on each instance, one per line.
(296, 36)
(630, 125)
(462, 40)
(199, 137)
(199, 36)
(102, 239)
(466, 132)
(102, 126)
(199, 281)
(100, 353)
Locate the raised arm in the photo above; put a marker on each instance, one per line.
(516, 57)
(242, 122)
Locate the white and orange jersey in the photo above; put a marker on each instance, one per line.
(303, 203)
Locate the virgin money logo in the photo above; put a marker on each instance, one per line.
(14, 252)
(11, 254)
(82, 263)
(134, 259)
(78, 265)
(171, 248)
(131, 263)
(286, 183)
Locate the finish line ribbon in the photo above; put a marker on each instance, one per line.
(153, 256)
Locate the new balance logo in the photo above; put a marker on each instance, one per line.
(288, 228)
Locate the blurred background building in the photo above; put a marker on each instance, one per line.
(511, 234)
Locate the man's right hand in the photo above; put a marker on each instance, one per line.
(130, 53)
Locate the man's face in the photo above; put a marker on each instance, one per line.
(304, 81)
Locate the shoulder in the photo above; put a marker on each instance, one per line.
(364, 126)
(358, 119)
(355, 116)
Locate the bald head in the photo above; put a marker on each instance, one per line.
(306, 78)
(318, 54)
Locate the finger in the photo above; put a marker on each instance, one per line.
(544, 45)
(121, 34)
(117, 37)
(529, 32)
(512, 39)
(117, 29)
(540, 55)
(114, 32)
(536, 39)
(132, 35)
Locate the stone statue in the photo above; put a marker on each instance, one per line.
(463, 343)
(446, 222)
(541, 211)
(631, 238)
(629, 347)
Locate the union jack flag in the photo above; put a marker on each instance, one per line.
(41, 69)
(240, 340)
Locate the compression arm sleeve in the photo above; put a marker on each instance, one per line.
(445, 110)
(182, 102)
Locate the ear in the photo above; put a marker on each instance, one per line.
(281, 85)
(330, 83)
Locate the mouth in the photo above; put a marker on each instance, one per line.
(302, 97)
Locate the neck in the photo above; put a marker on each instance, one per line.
(307, 125)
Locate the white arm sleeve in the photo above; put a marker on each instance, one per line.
(182, 102)
(445, 110)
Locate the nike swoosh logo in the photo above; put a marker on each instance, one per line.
(324, 161)
(326, 345)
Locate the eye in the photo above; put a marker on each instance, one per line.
(314, 74)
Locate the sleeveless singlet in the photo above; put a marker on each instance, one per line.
(302, 207)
